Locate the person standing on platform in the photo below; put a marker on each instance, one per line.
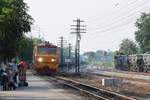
(15, 70)
(22, 72)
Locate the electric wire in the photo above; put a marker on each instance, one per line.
(129, 16)
(118, 18)
(107, 14)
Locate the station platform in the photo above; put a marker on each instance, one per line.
(38, 89)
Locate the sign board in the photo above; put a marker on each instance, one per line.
(67, 60)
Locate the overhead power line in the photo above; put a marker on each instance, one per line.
(122, 20)
(128, 15)
(103, 32)
(129, 4)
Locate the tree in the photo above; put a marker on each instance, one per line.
(142, 35)
(90, 55)
(26, 45)
(14, 22)
(128, 47)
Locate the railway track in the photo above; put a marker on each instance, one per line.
(126, 76)
(137, 73)
(93, 93)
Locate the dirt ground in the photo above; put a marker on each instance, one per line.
(137, 89)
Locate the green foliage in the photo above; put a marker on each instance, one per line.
(142, 35)
(14, 22)
(90, 56)
(26, 45)
(128, 47)
(99, 58)
(118, 53)
(104, 64)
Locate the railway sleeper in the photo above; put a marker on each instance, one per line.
(105, 93)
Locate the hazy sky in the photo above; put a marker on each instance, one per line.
(107, 21)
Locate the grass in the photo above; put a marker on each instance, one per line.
(104, 64)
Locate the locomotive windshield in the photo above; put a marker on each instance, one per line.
(44, 50)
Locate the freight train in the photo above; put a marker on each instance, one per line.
(45, 58)
(135, 62)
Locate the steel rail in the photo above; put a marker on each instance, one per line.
(96, 93)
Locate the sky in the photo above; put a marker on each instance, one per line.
(107, 21)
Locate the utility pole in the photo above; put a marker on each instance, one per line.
(37, 28)
(62, 51)
(78, 29)
(69, 56)
(61, 45)
(39, 33)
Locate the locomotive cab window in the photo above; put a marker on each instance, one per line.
(43, 50)
(51, 50)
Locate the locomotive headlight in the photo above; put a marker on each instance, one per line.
(53, 60)
(40, 59)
